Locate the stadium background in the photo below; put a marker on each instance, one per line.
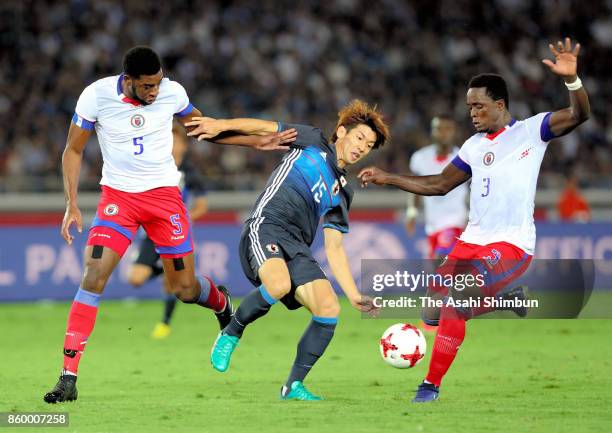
(298, 62)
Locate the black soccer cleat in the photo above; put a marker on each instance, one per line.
(225, 316)
(64, 390)
(515, 294)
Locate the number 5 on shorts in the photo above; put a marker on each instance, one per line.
(174, 220)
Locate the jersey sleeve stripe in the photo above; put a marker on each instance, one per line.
(462, 165)
(185, 111)
(81, 122)
(545, 133)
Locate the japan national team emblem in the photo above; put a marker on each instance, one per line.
(111, 209)
(137, 121)
(335, 188)
(273, 248)
(488, 158)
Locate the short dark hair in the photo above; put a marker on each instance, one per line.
(495, 85)
(141, 60)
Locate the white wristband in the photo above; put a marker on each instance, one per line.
(411, 212)
(575, 85)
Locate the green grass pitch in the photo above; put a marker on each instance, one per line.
(510, 375)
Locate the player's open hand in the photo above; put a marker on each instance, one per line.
(365, 304)
(566, 58)
(276, 141)
(72, 215)
(372, 175)
(204, 128)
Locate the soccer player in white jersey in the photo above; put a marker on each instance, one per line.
(132, 114)
(445, 216)
(503, 160)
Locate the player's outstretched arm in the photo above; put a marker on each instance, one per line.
(205, 128)
(439, 184)
(566, 65)
(256, 133)
(71, 167)
(339, 264)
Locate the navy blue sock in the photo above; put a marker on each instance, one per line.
(313, 343)
(253, 306)
(169, 305)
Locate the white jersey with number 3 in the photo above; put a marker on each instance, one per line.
(135, 139)
(504, 168)
(441, 212)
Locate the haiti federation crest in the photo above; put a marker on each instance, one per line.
(488, 158)
(111, 209)
(137, 121)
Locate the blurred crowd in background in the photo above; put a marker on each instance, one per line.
(299, 62)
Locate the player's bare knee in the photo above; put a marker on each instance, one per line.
(135, 280)
(328, 308)
(278, 286)
(94, 278)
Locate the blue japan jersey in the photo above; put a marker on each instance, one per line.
(306, 186)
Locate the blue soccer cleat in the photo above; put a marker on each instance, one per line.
(426, 392)
(222, 350)
(297, 392)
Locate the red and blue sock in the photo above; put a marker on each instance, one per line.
(451, 332)
(210, 296)
(81, 320)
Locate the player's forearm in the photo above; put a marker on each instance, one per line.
(237, 139)
(339, 264)
(249, 126)
(579, 102)
(71, 168)
(422, 185)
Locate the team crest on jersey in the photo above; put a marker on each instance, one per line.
(342, 181)
(137, 121)
(335, 188)
(111, 209)
(488, 158)
(272, 248)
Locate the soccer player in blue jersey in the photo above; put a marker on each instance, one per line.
(310, 183)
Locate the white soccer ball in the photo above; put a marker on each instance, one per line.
(403, 345)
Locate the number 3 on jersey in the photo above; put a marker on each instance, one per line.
(487, 186)
(138, 142)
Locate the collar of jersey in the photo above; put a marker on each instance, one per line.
(122, 96)
(495, 134)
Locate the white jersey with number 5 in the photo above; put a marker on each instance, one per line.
(135, 139)
(504, 168)
(441, 212)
